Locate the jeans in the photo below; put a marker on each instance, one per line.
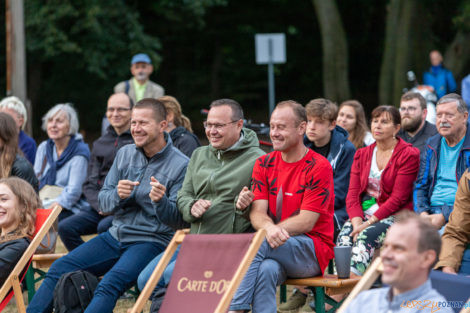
(465, 265)
(295, 258)
(120, 263)
(166, 276)
(73, 227)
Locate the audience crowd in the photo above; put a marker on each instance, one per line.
(330, 179)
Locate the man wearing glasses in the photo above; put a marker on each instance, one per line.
(414, 127)
(216, 194)
(89, 221)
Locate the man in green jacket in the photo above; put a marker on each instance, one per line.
(216, 196)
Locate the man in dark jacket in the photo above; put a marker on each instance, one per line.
(331, 141)
(446, 158)
(414, 127)
(89, 221)
(140, 189)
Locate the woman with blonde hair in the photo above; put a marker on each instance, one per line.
(11, 163)
(18, 204)
(351, 117)
(179, 126)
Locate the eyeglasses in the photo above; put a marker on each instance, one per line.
(409, 109)
(218, 127)
(119, 110)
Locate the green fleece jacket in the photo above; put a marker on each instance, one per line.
(219, 176)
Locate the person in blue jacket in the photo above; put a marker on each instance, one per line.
(440, 78)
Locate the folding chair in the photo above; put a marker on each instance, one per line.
(453, 287)
(208, 270)
(15, 277)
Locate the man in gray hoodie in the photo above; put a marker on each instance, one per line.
(140, 190)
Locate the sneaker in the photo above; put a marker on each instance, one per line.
(309, 304)
(294, 303)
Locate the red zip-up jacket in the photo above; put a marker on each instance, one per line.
(396, 182)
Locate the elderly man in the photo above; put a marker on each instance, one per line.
(440, 78)
(140, 189)
(89, 220)
(414, 127)
(446, 158)
(294, 203)
(215, 197)
(455, 254)
(16, 109)
(410, 249)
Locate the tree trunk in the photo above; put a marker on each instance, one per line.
(457, 55)
(335, 51)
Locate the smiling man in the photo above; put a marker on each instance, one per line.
(444, 161)
(140, 190)
(294, 203)
(89, 220)
(409, 252)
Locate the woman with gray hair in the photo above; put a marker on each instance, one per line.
(62, 160)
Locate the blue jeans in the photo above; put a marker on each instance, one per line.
(120, 263)
(295, 258)
(166, 276)
(465, 265)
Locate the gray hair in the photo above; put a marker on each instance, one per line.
(70, 113)
(453, 97)
(17, 105)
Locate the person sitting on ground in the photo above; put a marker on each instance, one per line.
(382, 177)
(179, 126)
(294, 203)
(215, 197)
(331, 141)
(455, 253)
(446, 158)
(414, 127)
(440, 78)
(17, 110)
(409, 252)
(88, 221)
(11, 163)
(140, 189)
(18, 204)
(352, 118)
(62, 160)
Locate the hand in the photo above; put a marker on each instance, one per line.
(449, 270)
(244, 198)
(358, 226)
(125, 187)
(200, 207)
(158, 190)
(276, 235)
(438, 220)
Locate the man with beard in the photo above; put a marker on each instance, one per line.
(444, 161)
(414, 127)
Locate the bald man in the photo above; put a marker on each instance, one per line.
(90, 221)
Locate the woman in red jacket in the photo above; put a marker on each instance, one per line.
(381, 184)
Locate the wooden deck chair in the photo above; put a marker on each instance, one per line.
(13, 280)
(208, 271)
(373, 272)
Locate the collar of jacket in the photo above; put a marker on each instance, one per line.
(435, 141)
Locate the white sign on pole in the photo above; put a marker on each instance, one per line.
(270, 48)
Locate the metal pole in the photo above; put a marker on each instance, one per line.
(271, 77)
(9, 48)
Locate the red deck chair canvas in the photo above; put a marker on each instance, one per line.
(44, 220)
(207, 272)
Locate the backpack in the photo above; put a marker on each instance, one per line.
(74, 292)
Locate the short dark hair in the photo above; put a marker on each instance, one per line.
(155, 105)
(298, 109)
(390, 110)
(410, 95)
(453, 97)
(237, 111)
(428, 238)
(323, 108)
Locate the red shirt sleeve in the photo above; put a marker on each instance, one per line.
(259, 180)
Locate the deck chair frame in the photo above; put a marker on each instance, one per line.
(170, 250)
(13, 280)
